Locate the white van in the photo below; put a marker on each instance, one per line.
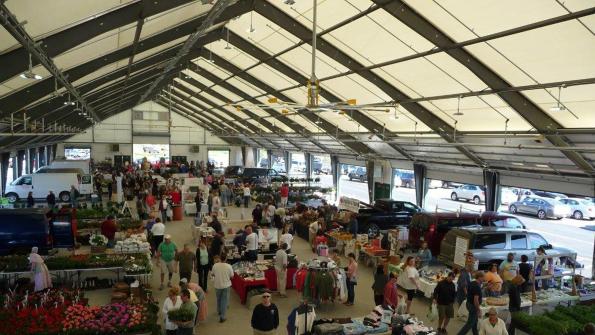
(71, 164)
(41, 184)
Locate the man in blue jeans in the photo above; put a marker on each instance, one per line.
(474, 298)
(222, 273)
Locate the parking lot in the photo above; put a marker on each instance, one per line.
(570, 233)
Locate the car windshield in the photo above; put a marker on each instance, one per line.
(507, 222)
(587, 203)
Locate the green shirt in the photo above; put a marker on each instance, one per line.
(192, 307)
(167, 251)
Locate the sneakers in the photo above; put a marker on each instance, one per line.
(221, 320)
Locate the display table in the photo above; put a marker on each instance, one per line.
(463, 312)
(190, 208)
(241, 286)
(271, 276)
(427, 287)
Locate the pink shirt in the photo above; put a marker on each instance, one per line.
(352, 270)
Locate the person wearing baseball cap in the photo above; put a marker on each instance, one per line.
(166, 254)
(265, 317)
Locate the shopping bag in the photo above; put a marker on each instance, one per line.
(433, 313)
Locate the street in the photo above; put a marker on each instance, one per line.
(567, 233)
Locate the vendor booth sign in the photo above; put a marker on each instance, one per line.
(349, 204)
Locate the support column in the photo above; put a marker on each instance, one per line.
(269, 159)
(370, 174)
(336, 173)
(31, 161)
(244, 153)
(42, 156)
(4, 158)
(308, 159)
(48, 155)
(419, 171)
(19, 163)
(491, 181)
(287, 157)
(54, 151)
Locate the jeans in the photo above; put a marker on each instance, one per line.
(203, 276)
(222, 301)
(471, 323)
(164, 216)
(246, 201)
(252, 255)
(350, 291)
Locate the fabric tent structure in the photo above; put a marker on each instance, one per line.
(498, 85)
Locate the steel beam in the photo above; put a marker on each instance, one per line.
(294, 27)
(516, 100)
(15, 61)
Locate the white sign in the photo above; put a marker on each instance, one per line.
(461, 247)
(349, 204)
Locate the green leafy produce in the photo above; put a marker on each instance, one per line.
(180, 314)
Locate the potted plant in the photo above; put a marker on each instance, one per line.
(98, 243)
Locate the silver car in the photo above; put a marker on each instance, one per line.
(470, 193)
(543, 208)
(581, 208)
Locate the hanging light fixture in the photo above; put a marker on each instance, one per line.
(251, 29)
(458, 113)
(29, 73)
(558, 107)
(227, 46)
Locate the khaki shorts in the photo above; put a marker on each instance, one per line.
(446, 311)
(167, 266)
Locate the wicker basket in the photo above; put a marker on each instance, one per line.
(97, 249)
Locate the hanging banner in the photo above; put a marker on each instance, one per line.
(349, 204)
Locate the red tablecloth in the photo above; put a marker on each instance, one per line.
(240, 285)
(271, 276)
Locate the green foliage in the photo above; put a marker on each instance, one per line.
(561, 321)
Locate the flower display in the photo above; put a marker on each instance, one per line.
(98, 240)
(113, 318)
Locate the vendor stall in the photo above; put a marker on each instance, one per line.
(248, 275)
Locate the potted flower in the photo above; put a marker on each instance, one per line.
(98, 243)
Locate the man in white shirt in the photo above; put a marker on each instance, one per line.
(251, 244)
(158, 230)
(286, 238)
(492, 325)
(281, 269)
(246, 195)
(222, 274)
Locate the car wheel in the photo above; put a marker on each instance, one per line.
(512, 209)
(541, 214)
(578, 215)
(373, 230)
(454, 197)
(476, 200)
(12, 197)
(65, 196)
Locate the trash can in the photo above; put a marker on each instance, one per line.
(178, 213)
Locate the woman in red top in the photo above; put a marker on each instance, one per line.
(391, 296)
(284, 193)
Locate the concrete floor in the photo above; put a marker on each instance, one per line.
(238, 318)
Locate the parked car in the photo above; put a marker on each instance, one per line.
(437, 225)
(551, 195)
(581, 208)
(543, 208)
(317, 165)
(507, 196)
(405, 179)
(22, 229)
(261, 175)
(435, 183)
(233, 171)
(470, 193)
(358, 174)
(385, 214)
(492, 245)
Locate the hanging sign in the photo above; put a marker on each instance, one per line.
(349, 204)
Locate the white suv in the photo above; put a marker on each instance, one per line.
(470, 193)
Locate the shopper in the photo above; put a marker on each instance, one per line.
(222, 274)
(281, 270)
(247, 195)
(351, 279)
(203, 263)
(198, 202)
(163, 208)
(284, 193)
(462, 283)
(391, 294)
(424, 255)
(410, 281)
(109, 229)
(492, 325)
(173, 301)
(494, 281)
(257, 214)
(216, 246)
(166, 253)
(216, 225)
(202, 300)
(41, 274)
(313, 231)
(30, 200)
(444, 297)
(158, 231)
(187, 327)
(286, 238)
(525, 271)
(215, 202)
(74, 196)
(474, 299)
(508, 270)
(51, 199)
(541, 268)
(265, 317)
(514, 301)
(251, 245)
(380, 280)
(186, 262)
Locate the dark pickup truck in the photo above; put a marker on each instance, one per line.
(384, 215)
